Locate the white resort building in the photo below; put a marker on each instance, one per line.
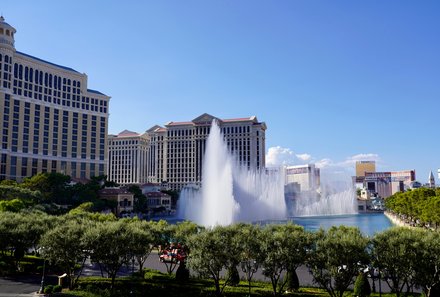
(175, 151)
(50, 120)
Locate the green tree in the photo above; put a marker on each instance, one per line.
(140, 200)
(22, 231)
(110, 246)
(427, 268)
(211, 252)
(247, 242)
(142, 241)
(53, 186)
(337, 257)
(282, 247)
(361, 286)
(14, 205)
(395, 254)
(64, 245)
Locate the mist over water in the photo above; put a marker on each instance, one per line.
(324, 204)
(230, 192)
(233, 193)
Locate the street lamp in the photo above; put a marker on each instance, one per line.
(249, 267)
(41, 291)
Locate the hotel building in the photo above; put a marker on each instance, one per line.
(128, 158)
(386, 184)
(175, 152)
(50, 120)
(307, 177)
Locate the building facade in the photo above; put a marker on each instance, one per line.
(50, 120)
(127, 155)
(123, 198)
(175, 153)
(365, 166)
(307, 177)
(386, 184)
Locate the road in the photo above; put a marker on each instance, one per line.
(26, 286)
(304, 276)
(19, 286)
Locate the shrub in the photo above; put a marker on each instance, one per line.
(182, 273)
(151, 274)
(362, 286)
(57, 289)
(48, 289)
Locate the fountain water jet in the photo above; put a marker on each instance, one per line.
(231, 192)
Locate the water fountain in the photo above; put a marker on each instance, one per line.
(325, 204)
(232, 193)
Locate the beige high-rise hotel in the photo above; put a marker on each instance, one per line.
(50, 120)
(174, 153)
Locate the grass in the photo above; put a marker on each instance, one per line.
(156, 283)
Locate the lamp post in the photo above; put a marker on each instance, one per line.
(132, 265)
(249, 267)
(41, 291)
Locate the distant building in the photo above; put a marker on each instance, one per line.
(386, 184)
(176, 151)
(307, 177)
(124, 199)
(365, 166)
(431, 180)
(158, 200)
(127, 158)
(49, 120)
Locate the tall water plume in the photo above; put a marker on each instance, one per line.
(231, 192)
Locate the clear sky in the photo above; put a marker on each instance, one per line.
(335, 81)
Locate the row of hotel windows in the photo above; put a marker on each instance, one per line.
(205, 130)
(125, 142)
(55, 87)
(47, 129)
(7, 67)
(31, 166)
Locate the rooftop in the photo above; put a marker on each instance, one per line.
(44, 61)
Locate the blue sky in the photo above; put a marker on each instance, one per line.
(335, 81)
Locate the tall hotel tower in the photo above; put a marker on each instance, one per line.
(50, 121)
(175, 154)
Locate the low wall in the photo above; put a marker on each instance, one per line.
(396, 220)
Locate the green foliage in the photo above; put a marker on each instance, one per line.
(14, 205)
(282, 247)
(140, 200)
(65, 246)
(12, 191)
(420, 204)
(395, 253)
(337, 257)
(361, 286)
(57, 289)
(212, 251)
(48, 289)
(53, 186)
